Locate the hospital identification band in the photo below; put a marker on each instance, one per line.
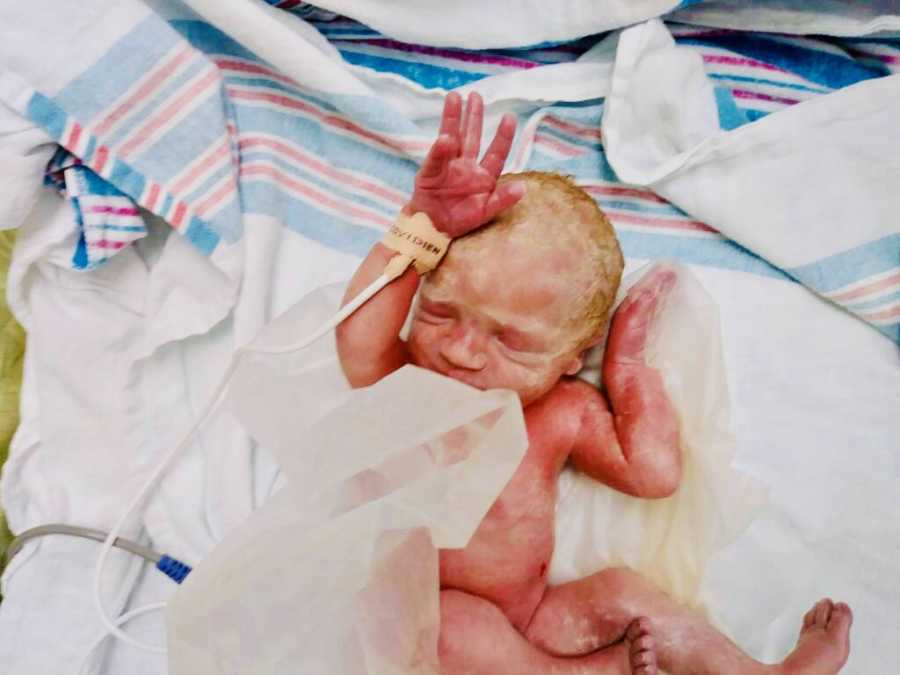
(417, 241)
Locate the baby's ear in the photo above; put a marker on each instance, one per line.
(597, 338)
(575, 364)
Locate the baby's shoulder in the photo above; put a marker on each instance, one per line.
(573, 392)
(554, 423)
(562, 408)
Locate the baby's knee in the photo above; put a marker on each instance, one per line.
(470, 628)
(630, 591)
(464, 619)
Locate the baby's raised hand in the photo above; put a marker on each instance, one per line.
(453, 188)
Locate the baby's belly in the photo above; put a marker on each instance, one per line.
(507, 559)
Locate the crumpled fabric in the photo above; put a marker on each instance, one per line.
(338, 572)
(671, 541)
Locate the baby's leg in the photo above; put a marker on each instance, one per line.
(477, 639)
(585, 615)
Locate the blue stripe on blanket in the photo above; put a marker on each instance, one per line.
(314, 178)
(722, 253)
(209, 39)
(126, 178)
(345, 151)
(120, 67)
(827, 69)
(427, 75)
(886, 299)
(311, 221)
(730, 115)
(773, 83)
(328, 144)
(836, 271)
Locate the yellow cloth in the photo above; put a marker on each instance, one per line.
(12, 349)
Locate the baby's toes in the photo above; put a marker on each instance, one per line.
(823, 612)
(637, 629)
(809, 617)
(644, 663)
(641, 648)
(841, 620)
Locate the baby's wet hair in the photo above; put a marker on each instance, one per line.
(566, 216)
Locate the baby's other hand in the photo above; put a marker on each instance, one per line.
(633, 318)
(457, 192)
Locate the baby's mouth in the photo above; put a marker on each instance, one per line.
(465, 376)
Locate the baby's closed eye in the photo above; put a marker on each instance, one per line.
(519, 341)
(435, 312)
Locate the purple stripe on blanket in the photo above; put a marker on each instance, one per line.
(459, 55)
(743, 93)
(124, 211)
(740, 61)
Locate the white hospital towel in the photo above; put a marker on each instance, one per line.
(800, 188)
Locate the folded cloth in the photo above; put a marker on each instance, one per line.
(107, 219)
(798, 188)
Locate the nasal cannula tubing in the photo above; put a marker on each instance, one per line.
(112, 626)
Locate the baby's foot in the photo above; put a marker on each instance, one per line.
(824, 643)
(641, 647)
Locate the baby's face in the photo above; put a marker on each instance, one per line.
(499, 319)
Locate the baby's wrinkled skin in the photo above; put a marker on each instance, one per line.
(507, 325)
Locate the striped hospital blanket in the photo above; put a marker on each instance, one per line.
(180, 118)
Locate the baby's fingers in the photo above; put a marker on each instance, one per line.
(633, 319)
(503, 197)
(444, 149)
(471, 129)
(497, 152)
(451, 116)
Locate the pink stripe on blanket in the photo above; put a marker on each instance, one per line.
(312, 195)
(106, 243)
(559, 146)
(217, 197)
(189, 95)
(204, 164)
(615, 191)
(335, 121)
(633, 218)
(74, 135)
(889, 313)
(887, 282)
(155, 80)
(578, 130)
(249, 142)
(253, 69)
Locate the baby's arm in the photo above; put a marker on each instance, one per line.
(635, 447)
(368, 341)
(458, 194)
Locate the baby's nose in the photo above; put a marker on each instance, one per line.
(463, 348)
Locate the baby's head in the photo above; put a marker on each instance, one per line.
(515, 304)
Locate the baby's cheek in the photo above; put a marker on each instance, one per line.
(423, 341)
(526, 382)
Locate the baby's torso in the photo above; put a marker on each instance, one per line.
(507, 559)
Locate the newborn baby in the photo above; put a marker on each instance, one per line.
(515, 305)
